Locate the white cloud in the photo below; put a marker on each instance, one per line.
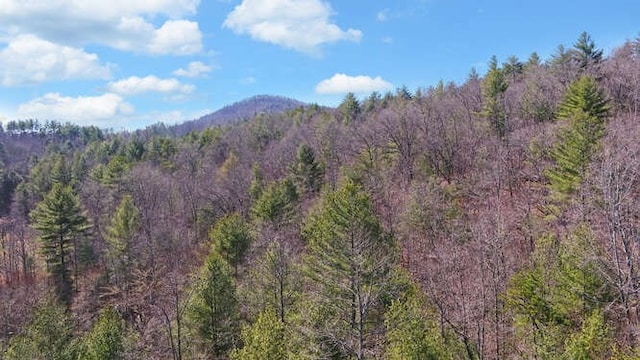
(342, 83)
(302, 25)
(179, 37)
(136, 85)
(96, 110)
(28, 59)
(121, 24)
(194, 69)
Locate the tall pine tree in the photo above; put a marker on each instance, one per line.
(349, 268)
(586, 109)
(60, 220)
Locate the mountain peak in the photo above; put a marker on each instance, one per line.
(243, 109)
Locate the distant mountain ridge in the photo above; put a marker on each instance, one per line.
(244, 109)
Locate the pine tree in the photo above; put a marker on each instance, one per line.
(120, 237)
(349, 108)
(59, 220)
(231, 239)
(47, 336)
(584, 52)
(349, 268)
(586, 109)
(493, 88)
(213, 312)
(411, 333)
(264, 339)
(276, 202)
(105, 340)
(307, 171)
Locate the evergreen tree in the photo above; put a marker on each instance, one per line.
(273, 281)
(584, 52)
(59, 220)
(213, 312)
(493, 88)
(307, 171)
(257, 182)
(586, 109)
(349, 267)
(349, 108)
(231, 239)
(276, 202)
(105, 340)
(411, 333)
(120, 237)
(264, 339)
(592, 341)
(48, 335)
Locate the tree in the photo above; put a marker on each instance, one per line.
(412, 334)
(592, 341)
(47, 336)
(276, 202)
(307, 171)
(264, 339)
(105, 340)
(273, 280)
(349, 108)
(349, 267)
(120, 237)
(586, 109)
(584, 52)
(231, 239)
(213, 312)
(60, 220)
(493, 88)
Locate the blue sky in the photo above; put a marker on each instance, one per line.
(125, 64)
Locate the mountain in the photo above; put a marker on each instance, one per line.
(241, 110)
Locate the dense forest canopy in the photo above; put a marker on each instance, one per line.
(492, 219)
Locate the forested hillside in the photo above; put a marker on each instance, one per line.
(498, 218)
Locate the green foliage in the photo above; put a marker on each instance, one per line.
(349, 108)
(120, 237)
(412, 333)
(213, 312)
(583, 96)
(493, 88)
(307, 171)
(551, 298)
(273, 281)
(106, 339)
(161, 150)
(231, 238)
(349, 267)
(277, 202)
(264, 339)
(586, 108)
(47, 336)
(591, 342)
(584, 52)
(59, 221)
(257, 182)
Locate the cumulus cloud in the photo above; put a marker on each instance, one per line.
(342, 83)
(302, 25)
(179, 37)
(86, 110)
(193, 70)
(28, 59)
(124, 25)
(136, 85)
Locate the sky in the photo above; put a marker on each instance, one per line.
(126, 64)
